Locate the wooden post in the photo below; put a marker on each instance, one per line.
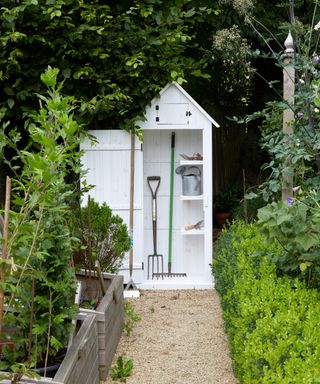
(288, 114)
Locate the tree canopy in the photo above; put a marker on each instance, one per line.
(113, 57)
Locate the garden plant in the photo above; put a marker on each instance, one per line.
(267, 273)
(295, 226)
(295, 154)
(103, 237)
(122, 369)
(40, 281)
(271, 320)
(131, 317)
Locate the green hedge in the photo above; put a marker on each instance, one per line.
(272, 322)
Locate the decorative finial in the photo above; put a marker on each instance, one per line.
(289, 43)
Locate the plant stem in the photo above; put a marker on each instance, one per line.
(31, 319)
(89, 248)
(312, 25)
(48, 335)
(4, 249)
(35, 235)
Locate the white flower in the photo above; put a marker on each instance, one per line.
(316, 110)
(317, 26)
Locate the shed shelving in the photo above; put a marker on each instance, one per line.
(192, 232)
(191, 162)
(108, 165)
(191, 198)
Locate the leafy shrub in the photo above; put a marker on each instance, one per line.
(40, 285)
(104, 237)
(296, 227)
(271, 321)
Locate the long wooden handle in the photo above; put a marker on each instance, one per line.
(4, 247)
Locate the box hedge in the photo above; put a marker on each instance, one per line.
(272, 321)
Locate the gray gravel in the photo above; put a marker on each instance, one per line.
(180, 339)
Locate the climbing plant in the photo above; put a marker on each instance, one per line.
(297, 153)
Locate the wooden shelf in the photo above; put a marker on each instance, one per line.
(191, 162)
(198, 197)
(192, 232)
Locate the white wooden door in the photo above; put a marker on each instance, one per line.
(108, 169)
(172, 114)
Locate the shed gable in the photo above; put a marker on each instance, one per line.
(176, 108)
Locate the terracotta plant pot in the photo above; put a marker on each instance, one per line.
(6, 343)
(222, 218)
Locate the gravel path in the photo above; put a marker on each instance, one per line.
(179, 340)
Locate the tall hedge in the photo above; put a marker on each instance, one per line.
(114, 56)
(272, 321)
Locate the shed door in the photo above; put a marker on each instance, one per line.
(172, 113)
(108, 165)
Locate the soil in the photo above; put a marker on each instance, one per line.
(179, 340)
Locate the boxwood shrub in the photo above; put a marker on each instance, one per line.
(272, 321)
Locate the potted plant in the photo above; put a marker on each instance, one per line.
(104, 239)
(40, 283)
(103, 236)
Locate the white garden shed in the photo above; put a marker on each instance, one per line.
(174, 114)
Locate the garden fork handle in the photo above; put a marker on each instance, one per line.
(154, 208)
(154, 178)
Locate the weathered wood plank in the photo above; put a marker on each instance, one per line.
(81, 365)
(78, 358)
(112, 327)
(109, 318)
(93, 376)
(43, 380)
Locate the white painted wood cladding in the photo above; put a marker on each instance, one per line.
(108, 165)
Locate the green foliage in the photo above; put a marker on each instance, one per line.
(296, 227)
(40, 283)
(122, 370)
(104, 237)
(252, 207)
(227, 200)
(295, 154)
(17, 370)
(129, 50)
(271, 321)
(130, 318)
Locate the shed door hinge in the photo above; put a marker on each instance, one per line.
(157, 119)
(188, 113)
(157, 107)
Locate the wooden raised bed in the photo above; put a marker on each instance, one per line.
(81, 364)
(90, 355)
(109, 317)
